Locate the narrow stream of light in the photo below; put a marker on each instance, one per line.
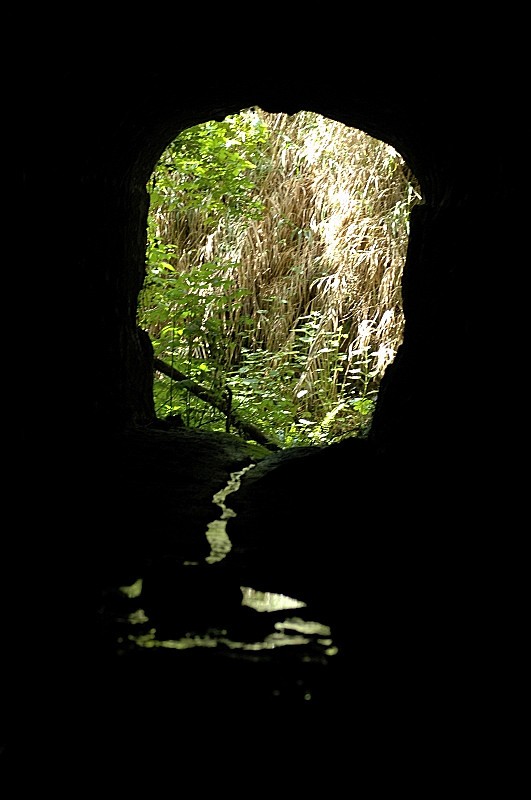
(216, 533)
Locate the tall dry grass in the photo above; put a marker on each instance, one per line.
(329, 248)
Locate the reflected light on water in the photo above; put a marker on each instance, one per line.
(292, 631)
(268, 601)
(216, 532)
(186, 642)
(219, 638)
(135, 590)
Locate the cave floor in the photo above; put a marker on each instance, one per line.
(203, 599)
(218, 586)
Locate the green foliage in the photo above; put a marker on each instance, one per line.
(199, 303)
(186, 321)
(208, 168)
(268, 386)
(265, 386)
(205, 170)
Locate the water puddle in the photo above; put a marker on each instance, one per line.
(216, 533)
(287, 632)
(137, 630)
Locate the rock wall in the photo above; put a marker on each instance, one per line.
(427, 513)
(450, 281)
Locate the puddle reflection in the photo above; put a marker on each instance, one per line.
(216, 533)
(314, 637)
(289, 632)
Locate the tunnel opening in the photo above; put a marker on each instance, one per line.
(272, 295)
(272, 300)
(421, 625)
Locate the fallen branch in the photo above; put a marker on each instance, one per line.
(246, 429)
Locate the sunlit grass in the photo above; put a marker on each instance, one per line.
(318, 273)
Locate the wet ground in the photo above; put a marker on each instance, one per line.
(193, 612)
(212, 595)
(158, 611)
(210, 611)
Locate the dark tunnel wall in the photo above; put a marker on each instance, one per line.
(445, 267)
(102, 146)
(84, 145)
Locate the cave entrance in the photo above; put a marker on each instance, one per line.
(276, 245)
